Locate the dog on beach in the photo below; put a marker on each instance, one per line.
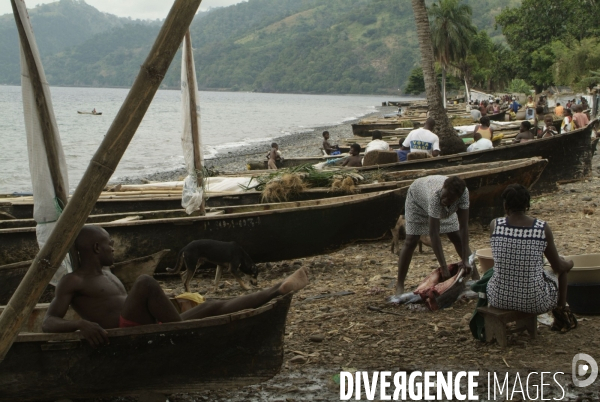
(226, 255)
(399, 233)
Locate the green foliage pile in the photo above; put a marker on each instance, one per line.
(311, 46)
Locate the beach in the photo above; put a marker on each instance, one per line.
(234, 159)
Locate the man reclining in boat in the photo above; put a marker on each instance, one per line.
(102, 302)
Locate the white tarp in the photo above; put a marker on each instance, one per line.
(191, 196)
(46, 209)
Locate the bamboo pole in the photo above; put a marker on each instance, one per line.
(48, 132)
(98, 172)
(192, 89)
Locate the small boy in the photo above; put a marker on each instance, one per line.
(273, 156)
(327, 147)
(354, 160)
(548, 130)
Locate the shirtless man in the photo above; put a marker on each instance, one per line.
(273, 156)
(102, 302)
(327, 147)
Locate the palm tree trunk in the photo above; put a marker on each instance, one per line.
(467, 92)
(450, 143)
(444, 100)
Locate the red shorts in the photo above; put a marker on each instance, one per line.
(125, 323)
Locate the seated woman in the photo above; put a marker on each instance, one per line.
(520, 282)
(484, 128)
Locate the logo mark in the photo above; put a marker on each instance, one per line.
(582, 365)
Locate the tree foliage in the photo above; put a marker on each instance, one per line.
(576, 63)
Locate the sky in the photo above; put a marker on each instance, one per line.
(136, 9)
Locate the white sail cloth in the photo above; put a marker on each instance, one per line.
(192, 194)
(46, 208)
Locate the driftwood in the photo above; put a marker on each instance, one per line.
(99, 171)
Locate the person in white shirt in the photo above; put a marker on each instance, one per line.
(423, 140)
(377, 144)
(480, 143)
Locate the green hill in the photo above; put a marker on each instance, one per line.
(318, 46)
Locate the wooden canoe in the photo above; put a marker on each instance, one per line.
(291, 162)
(569, 158)
(93, 114)
(228, 351)
(127, 271)
(268, 232)
(124, 208)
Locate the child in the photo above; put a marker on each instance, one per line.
(327, 147)
(524, 133)
(354, 160)
(273, 156)
(548, 130)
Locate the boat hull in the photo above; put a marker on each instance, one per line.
(569, 158)
(219, 352)
(272, 234)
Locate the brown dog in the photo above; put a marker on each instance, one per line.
(399, 233)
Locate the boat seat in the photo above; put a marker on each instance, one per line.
(128, 219)
(496, 319)
(380, 158)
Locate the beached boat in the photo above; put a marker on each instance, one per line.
(569, 158)
(93, 114)
(279, 231)
(291, 162)
(227, 351)
(268, 232)
(127, 271)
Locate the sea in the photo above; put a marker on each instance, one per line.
(229, 120)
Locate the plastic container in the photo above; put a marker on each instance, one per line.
(583, 293)
(486, 261)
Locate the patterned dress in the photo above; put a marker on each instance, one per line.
(520, 281)
(424, 201)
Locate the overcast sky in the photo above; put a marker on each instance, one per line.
(142, 9)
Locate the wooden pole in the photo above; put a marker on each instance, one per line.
(99, 171)
(192, 90)
(48, 133)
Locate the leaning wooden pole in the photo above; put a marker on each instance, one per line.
(99, 171)
(41, 103)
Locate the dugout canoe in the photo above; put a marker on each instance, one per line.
(227, 351)
(569, 158)
(93, 114)
(127, 271)
(281, 231)
(123, 208)
(291, 162)
(268, 232)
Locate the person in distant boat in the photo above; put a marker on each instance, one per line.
(327, 147)
(435, 205)
(102, 302)
(274, 156)
(484, 128)
(480, 143)
(559, 110)
(377, 143)
(525, 133)
(580, 118)
(423, 139)
(94, 111)
(402, 153)
(548, 130)
(567, 124)
(483, 108)
(354, 160)
(496, 107)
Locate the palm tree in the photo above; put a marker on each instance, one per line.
(451, 33)
(450, 143)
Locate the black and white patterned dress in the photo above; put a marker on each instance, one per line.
(520, 281)
(424, 200)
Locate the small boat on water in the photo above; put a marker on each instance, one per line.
(92, 113)
(281, 231)
(225, 351)
(127, 272)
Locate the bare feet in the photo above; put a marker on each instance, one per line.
(294, 282)
(399, 289)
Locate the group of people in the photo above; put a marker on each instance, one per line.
(437, 205)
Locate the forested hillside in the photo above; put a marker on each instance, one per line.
(323, 46)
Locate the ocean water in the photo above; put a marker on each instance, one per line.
(228, 120)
